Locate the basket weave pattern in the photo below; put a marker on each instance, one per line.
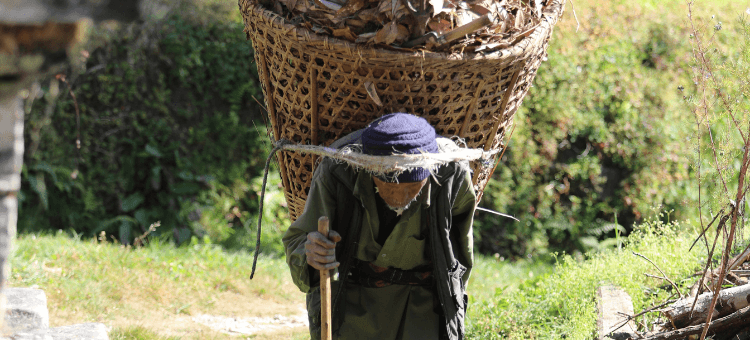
(316, 87)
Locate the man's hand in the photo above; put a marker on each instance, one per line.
(320, 251)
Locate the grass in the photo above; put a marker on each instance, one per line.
(561, 304)
(151, 292)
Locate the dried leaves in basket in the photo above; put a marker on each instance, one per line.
(433, 25)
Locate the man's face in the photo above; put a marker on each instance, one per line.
(398, 196)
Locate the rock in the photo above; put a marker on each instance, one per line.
(26, 309)
(37, 334)
(84, 331)
(614, 304)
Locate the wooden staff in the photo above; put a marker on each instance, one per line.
(325, 290)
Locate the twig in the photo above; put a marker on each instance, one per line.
(703, 233)
(708, 263)
(62, 78)
(662, 273)
(730, 238)
(574, 15)
(740, 258)
(733, 320)
(140, 239)
(700, 186)
(716, 161)
(655, 276)
(498, 213)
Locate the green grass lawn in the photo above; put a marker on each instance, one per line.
(152, 292)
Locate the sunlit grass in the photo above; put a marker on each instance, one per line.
(155, 289)
(151, 292)
(561, 304)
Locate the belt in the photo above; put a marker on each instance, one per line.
(369, 275)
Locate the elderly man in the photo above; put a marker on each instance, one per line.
(402, 244)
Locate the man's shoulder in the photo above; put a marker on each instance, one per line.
(330, 170)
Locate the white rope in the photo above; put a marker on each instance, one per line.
(391, 163)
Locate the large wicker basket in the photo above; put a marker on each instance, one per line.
(314, 88)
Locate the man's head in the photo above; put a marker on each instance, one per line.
(400, 133)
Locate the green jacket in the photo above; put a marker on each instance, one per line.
(444, 215)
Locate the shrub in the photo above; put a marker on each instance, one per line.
(169, 132)
(597, 141)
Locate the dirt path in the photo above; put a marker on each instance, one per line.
(231, 316)
(252, 325)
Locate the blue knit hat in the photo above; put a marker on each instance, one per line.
(400, 133)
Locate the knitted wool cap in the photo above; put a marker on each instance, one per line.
(400, 133)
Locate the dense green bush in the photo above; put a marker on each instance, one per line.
(169, 130)
(598, 140)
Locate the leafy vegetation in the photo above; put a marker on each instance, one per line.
(562, 303)
(602, 137)
(169, 131)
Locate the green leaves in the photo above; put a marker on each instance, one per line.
(153, 151)
(600, 131)
(38, 185)
(131, 202)
(115, 221)
(166, 115)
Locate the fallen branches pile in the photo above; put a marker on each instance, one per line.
(723, 313)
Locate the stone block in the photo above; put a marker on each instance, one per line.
(35, 334)
(26, 309)
(614, 305)
(11, 143)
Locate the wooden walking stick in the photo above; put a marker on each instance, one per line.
(325, 290)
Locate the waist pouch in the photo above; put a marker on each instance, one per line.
(369, 275)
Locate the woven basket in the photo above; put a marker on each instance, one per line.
(315, 90)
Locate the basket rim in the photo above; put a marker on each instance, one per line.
(551, 14)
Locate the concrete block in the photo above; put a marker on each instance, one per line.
(26, 309)
(11, 143)
(35, 334)
(614, 305)
(8, 219)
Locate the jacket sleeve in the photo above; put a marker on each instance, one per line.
(463, 219)
(320, 202)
